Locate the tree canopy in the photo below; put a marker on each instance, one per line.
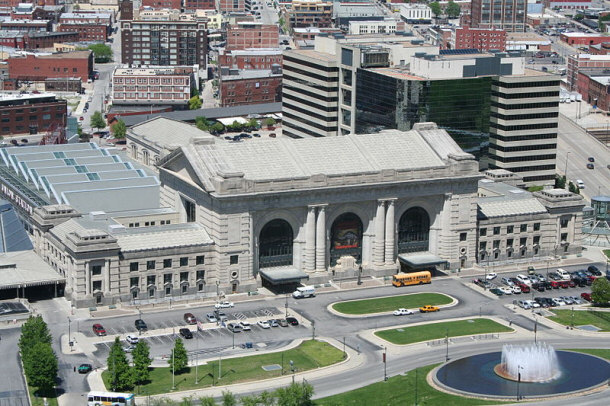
(452, 9)
(39, 360)
(141, 362)
(435, 7)
(119, 129)
(97, 120)
(600, 291)
(118, 368)
(101, 52)
(195, 102)
(179, 358)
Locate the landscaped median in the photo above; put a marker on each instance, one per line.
(435, 331)
(389, 303)
(308, 355)
(599, 319)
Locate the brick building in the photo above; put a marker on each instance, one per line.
(508, 15)
(161, 4)
(58, 65)
(252, 35)
(181, 43)
(88, 18)
(263, 58)
(310, 13)
(584, 61)
(153, 85)
(86, 31)
(594, 86)
(230, 6)
(26, 25)
(126, 9)
(242, 87)
(580, 38)
(600, 49)
(482, 39)
(30, 113)
(192, 5)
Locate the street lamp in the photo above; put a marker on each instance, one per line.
(385, 363)
(566, 171)
(286, 306)
(292, 369)
(359, 275)
(447, 345)
(217, 291)
(69, 334)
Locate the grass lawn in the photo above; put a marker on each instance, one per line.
(309, 355)
(400, 390)
(434, 331)
(386, 304)
(38, 401)
(581, 317)
(602, 353)
(607, 253)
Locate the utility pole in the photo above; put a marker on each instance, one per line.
(385, 363)
(69, 334)
(313, 332)
(447, 344)
(292, 369)
(219, 366)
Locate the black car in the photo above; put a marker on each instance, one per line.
(594, 270)
(292, 321)
(590, 166)
(186, 333)
(591, 159)
(140, 325)
(85, 368)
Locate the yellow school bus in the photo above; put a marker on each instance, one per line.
(413, 278)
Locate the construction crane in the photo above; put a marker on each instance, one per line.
(56, 134)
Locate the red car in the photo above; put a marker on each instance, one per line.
(524, 288)
(555, 284)
(586, 296)
(189, 318)
(564, 284)
(99, 330)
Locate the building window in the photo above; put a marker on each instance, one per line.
(167, 278)
(200, 275)
(509, 242)
(96, 270)
(564, 237)
(234, 259)
(200, 260)
(150, 280)
(133, 266)
(190, 210)
(134, 281)
(496, 244)
(496, 230)
(150, 265)
(184, 276)
(564, 222)
(483, 232)
(463, 236)
(536, 239)
(523, 228)
(482, 246)
(167, 263)
(200, 287)
(184, 261)
(523, 241)
(536, 226)
(97, 285)
(510, 229)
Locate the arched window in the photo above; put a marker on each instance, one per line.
(346, 238)
(413, 231)
(275, 244)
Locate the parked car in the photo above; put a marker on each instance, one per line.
(516, 290)
(496, 291)
(576, 300)
(586, 296)
(402, 312)
(224, 305)
(568, 301)
(564, 284)
(263, 324)
(507, 282)
(140, 325)
(533, 304)
(245, 326)
(554, 276)
(283, 322)
(591, 159)
(99, 330)
(428, 309)
(524, 279)
(186, 333)
(541, 301)
(507, 290)
(211, 318)
(133, 340)
(531, 270)
(129, 348)
(84, 368)
(490, 276)
(524, 288)
(590, 166)
(540, 277)
(189, 318)
(558, 301)
(594, 270)
(234, 327)
(273, 323)
(292, 321)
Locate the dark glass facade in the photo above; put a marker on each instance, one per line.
(460, 106)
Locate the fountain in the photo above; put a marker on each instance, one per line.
(528, 363)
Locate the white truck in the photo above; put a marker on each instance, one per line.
(304, 291)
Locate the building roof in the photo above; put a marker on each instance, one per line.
(499, 199)
(173, 235)
(150, 71)
(245, 74)
(13, 236)
(25, 268)
(166, 133)
(62, 55)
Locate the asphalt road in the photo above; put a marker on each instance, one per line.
(12, 385)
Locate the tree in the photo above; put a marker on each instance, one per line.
(119, 129)
(297, 394)
(179, 358)
(33, 331)
(252, 123)
(601, 22)
(101, 52)
(579, 17)
(435, 7)
(195, 102)
(121, 376)
(452, 9)
(228, 399)
(600, 291)
(40, 366)
(269, 121)
(141, 362)
(217, 127)
(203, 123)
(560, 182)
(97, 120)
(266, 398)
(249, 400)
(207, 401)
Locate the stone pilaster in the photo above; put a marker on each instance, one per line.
(321, 239)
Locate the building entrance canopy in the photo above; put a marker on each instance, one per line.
(420, 260)
(282, 274)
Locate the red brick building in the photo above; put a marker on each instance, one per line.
(199, 4)
(86, 32)
(252, 35)
(584, 61)
(251, 59)
(580, 38)
(35, 40)
(250, 87)
(594, 86)
(161, 4)
(30, 113)
(600, 49)
(27, 25)
(478, 38)
(227, 6)
(58, 65)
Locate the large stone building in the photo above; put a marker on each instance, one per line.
(507, 15)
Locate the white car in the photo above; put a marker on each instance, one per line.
(491, 275)
(507, 282)
(223, 305)
(558, 301)
(524, 304)
(245, 325)
(402, 312)
(133, 340)
(533, 304)
(516, 290)
(524, 279)
(506, 290)
(263, 324)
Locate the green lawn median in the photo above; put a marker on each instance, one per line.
(390, 303)
(598, 352)
(38, 398)
(307, 356)
(435, 331)
(598, 319)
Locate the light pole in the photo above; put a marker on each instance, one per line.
(535, 329)
(217, 291)
(233, 337)
(385, 363)
(69, 334)
(447, 345)
(359, 275)
(286, 306)
(566, 171)
(292, 369)
(313, 332)
(173, 368)
(485, 281)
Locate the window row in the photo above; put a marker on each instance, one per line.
(523, 228)
(167, 263)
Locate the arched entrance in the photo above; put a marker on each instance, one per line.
(414, 231)
(275, 244)
(346, 238)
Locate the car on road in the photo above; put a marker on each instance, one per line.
(186, 333)
(263, 324)
(428, 309)
(85, 368)
(211, 318)
(531, 270)
(99, 330)
(292, 321)
(402, 312)
(189, 318)
(140, 325)
(133, 340)
(591, 159)
(490, 276)
(273, 323)
(283, 322)
(224, 305)
(245, 325)
(81, 118)
(590, 166)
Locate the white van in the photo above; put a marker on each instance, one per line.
(564, 274)
(580, 183)
(304, 291)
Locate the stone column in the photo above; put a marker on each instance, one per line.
(107, 289)
(310, 239)
(378, 253)
(321, 239)
(87, 279)
(389, 233)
